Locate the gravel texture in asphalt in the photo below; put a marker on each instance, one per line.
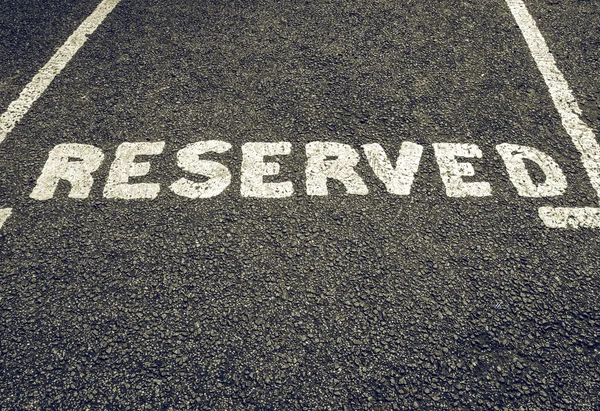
(344, 301)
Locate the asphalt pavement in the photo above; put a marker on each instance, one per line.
(288, 274)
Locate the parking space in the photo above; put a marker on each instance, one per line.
(303, 205)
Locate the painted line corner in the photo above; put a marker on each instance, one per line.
(4, 214)
(581, 134)
(570, 217)
(565, 102)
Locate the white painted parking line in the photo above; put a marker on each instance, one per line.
(567, 217)
(36, 87)
(4, 214)
(583, 137)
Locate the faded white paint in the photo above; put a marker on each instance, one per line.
(319, 168)
(72, 162)
(32, 91)
(568, 217)
(513, 156)
(218, 175)
(397, 180)
(124, 167)
(452, 172)
(583, 137)
(4, 214)
(254, 168)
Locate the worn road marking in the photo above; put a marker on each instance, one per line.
(583, 137)
(568, 217)
(4, 214)
(36, 87)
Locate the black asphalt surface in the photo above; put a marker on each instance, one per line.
(337, 302)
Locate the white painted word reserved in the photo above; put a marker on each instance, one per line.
(75, 163)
